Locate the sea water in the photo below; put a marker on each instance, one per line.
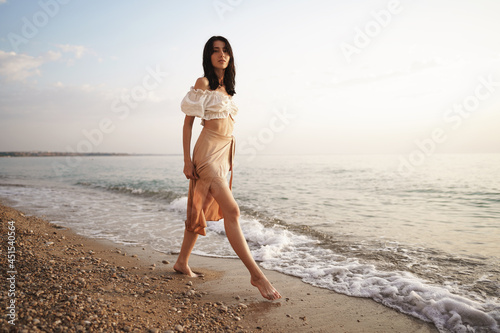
(425, 243)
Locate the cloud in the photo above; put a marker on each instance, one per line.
(51, 56)
(367, 76)
(18, 67)
(77, 50)
(3, 1)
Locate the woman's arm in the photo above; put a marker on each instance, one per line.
(189, 169)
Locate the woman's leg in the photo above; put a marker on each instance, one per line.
(188, 242)
(231, 212)
(182, 265)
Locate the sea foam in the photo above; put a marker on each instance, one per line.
(301, 256)
(141, 221)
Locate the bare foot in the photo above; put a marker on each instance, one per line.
(266, 288)
(186, 270)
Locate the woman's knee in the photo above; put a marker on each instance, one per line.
(232, 212)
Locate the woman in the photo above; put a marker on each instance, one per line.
(210, 197)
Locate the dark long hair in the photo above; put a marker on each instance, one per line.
(208, 68)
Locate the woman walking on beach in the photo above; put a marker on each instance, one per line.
(210, 197)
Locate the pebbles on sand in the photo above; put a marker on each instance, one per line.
(63, 285)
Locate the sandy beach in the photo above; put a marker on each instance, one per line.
(68, 283)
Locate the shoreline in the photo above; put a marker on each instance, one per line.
(95, 284)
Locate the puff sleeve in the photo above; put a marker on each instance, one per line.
(194, 103)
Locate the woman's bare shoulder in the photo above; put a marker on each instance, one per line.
(202, 83)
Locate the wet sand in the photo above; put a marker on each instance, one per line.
(65, 282)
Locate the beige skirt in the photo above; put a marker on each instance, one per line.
(213, 157)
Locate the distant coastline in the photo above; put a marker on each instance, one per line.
(53, 153)
(58, 153)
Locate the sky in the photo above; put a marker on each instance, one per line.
(313, 77)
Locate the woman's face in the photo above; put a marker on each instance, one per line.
(220, 57)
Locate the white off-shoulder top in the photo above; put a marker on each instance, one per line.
(208, 104)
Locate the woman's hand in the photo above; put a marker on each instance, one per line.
(190, 170)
